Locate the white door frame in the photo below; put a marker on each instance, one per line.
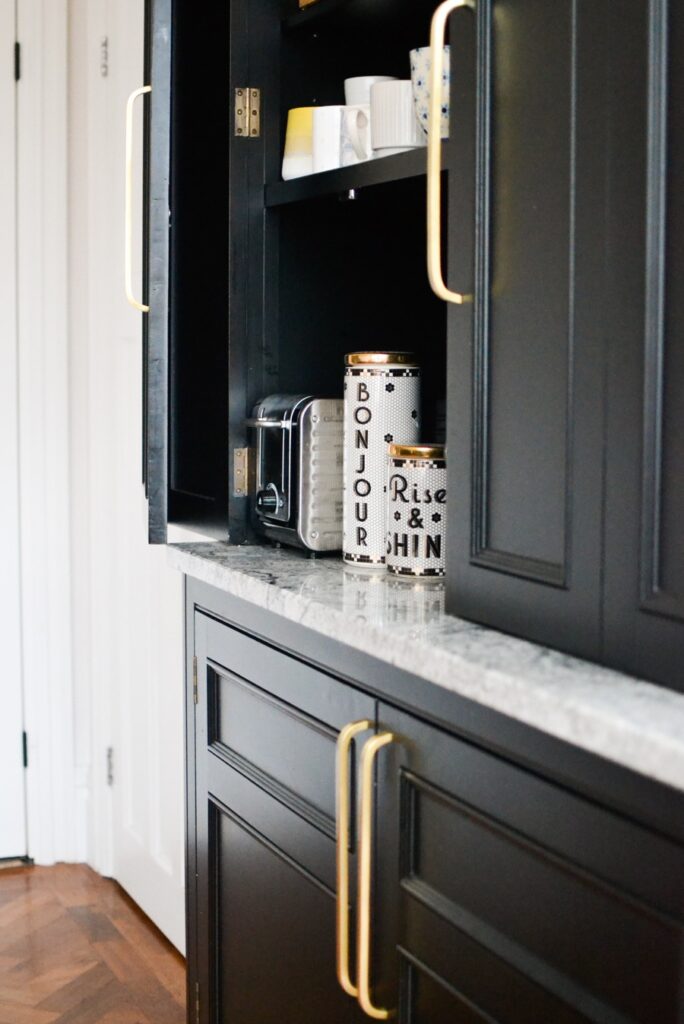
(56, 796)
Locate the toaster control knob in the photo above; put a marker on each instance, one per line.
(268, 500)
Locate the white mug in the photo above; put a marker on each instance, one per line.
(393, 115)
(341, 136)
(421, 61)
(357, 90)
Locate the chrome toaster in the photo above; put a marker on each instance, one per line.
(299, 451)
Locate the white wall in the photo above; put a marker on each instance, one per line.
(127, 606)
(55, 819)
(12, 789)
(102, 618)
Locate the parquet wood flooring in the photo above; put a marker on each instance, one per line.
(74, 949)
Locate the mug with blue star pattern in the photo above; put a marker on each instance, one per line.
(420, 80)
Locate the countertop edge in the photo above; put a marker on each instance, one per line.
(646, 747)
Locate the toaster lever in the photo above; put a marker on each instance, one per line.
(269, 500)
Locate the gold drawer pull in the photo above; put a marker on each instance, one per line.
(128, 250)
(344, 740)
(434, 153)
(368, 754)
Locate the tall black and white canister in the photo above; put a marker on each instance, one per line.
(416, 510)
(381, 406)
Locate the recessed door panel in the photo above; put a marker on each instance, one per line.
(276, 937)
(277, 739)
(526, 195)
(526, 901)
(644, 597)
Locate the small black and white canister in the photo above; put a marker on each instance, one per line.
(381, 405)
(416, 510)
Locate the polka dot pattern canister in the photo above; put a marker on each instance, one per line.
(381, 406)
(416, 510)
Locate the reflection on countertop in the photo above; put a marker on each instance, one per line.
(404, 624)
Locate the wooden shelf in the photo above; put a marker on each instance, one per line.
(380, 171)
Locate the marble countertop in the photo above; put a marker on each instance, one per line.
(634, 723)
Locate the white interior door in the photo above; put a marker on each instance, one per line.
(12, 789)
(130, 607)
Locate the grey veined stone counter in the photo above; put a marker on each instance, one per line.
(633, 723)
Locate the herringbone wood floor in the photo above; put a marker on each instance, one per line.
(74, 949)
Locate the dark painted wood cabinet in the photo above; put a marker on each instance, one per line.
(526, 356)
(562, 378)
(566, 436)
(264, 736)
(514, 900)
(498, 894)
(644, 560)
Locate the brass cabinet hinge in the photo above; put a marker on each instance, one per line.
(242, 472)
(248, 112)
(195, 689)
(197, 1003)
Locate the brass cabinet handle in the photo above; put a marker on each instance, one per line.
(128, 250)
(344, 740)
(363, 954)
(434, 153)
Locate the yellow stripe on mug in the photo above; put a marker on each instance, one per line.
(298, 158)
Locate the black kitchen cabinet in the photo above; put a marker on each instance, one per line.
(263, 899)
(566, 436)
(561, 215)
(525, 414)
(500, 891)
(268, 283)
(644, 554)
(513, 900)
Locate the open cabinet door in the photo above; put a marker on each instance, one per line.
(158, 15)
(195, 230)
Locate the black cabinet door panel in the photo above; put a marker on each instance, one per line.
(525, 357)
(264, 732)
(459, 973)
(290, 828)
(275, 936)
(576, 909)
(644, 606)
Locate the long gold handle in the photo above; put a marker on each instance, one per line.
(434, 152)
(128, 252)
(363, 949)
(344, 740)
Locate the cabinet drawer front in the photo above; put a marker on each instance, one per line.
(296, 683)
(293, 749)
(585, 905)
(274, 721)
(297, 839)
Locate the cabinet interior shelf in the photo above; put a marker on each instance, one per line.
(343, 179)
(313, 13)
(367, 13)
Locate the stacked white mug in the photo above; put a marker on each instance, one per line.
(393, 115)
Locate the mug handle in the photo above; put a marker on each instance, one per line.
(357, 121)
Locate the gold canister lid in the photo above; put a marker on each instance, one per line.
(380, 359)
(417, 451)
